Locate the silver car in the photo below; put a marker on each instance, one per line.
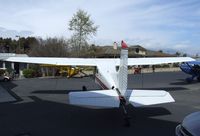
(5, 78)
(190, 126)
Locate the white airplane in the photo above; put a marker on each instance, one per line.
(113, 81)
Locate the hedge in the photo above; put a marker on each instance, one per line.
(29, 73)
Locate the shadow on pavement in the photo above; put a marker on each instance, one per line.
(183, 82)
(53, 91)
(41, 118)
(8, 86)
(57, 91)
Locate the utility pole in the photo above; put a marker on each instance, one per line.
(115, 48)
(19, 44)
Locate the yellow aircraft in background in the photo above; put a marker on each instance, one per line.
(68, 71)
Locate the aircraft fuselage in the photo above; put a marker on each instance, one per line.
(106, 76)
(191, 68)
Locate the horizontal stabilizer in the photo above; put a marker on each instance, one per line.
(103, 98)
(149, 97)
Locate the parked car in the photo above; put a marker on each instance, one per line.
(190, 125)
(4, 76)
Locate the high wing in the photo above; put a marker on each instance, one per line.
(157, 60)
(54, 61)
(96, 61)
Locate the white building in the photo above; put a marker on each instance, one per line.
(17, 67)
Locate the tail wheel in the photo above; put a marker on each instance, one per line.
(84, 88)
(198, 78)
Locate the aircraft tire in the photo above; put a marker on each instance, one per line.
(188, 80)
(198, 78)
(84, 88)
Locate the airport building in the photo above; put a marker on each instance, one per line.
(134, 51)
(13, 66)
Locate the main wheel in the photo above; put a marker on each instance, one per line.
(84, 88)
(188, 80)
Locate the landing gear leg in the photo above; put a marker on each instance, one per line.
(190, 79)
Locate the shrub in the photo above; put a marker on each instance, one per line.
(29, 73)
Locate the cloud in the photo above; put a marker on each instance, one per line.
(154, 24)
(13, 33)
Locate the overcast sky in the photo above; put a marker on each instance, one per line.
(154, 24)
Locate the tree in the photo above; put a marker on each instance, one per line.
(184, 55)
(197, 55)
(29, 41)
(178, 54)
(83, 27)
(51, 47)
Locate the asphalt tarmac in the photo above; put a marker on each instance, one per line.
(41, 108)
(5, 96)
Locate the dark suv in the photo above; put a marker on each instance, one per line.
(190, 126)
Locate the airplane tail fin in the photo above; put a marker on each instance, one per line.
(111, 99)
(123, 69)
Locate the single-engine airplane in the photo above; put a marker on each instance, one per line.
(114, 82)
(191, 68)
